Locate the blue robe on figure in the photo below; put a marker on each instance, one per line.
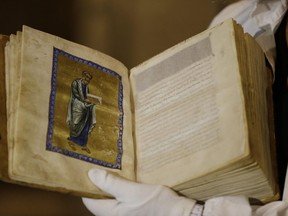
(81, 116)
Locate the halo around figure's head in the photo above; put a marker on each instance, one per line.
(87, 74)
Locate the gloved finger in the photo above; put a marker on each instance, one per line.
(275, 208)
(239, 11)
(101, 207)
(121, 189)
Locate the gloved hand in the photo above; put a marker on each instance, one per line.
(135, 199)
(259, 18)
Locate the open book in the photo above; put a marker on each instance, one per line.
(194, 118)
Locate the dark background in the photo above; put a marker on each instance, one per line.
(131, 31)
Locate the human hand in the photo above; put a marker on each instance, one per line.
(88, 101)
(135, 199)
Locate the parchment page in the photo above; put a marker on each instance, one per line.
(3, 113)
(13, 83)
(45, 151)
(189, 111)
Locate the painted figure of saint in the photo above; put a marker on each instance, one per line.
(81, 116)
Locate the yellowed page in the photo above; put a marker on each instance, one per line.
(3, 113)
(189, 111)
(44, 152)
(13, 83)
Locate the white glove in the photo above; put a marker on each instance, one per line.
(278, 208)
(135, 199)
(260, 18)
(239, 206)
(227, 206)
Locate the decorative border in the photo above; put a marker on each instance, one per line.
(49, 146)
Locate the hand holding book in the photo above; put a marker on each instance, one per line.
(154, 200)
(203, 98)
(134, 198)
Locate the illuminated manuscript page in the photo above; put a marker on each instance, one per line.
(42, 150)
(188, 109)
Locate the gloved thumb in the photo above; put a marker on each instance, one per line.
(123, 190)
